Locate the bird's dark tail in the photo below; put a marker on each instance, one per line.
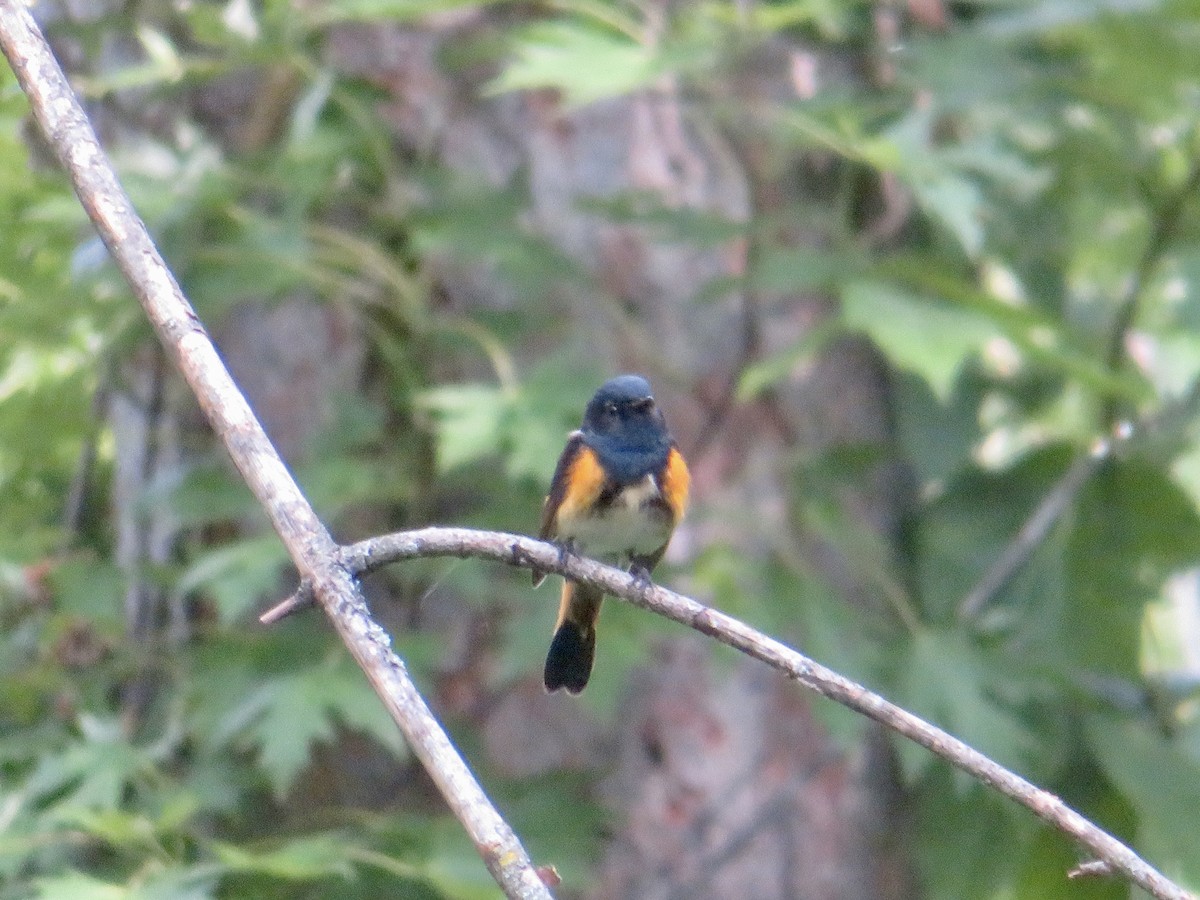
(573, 649)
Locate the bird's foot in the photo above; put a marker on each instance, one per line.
(641, 575)
(566, 549)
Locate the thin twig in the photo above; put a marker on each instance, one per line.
(525, 552)
(1034, 531)
(1168, 424)
(301, 599)
(81, 479)
(66, 128)
(1093, 868)
(1166, 222)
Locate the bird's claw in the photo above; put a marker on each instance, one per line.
(641, 575)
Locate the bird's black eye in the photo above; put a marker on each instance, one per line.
(610, 408)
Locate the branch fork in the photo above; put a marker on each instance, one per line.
(525, 552)
(328, 571)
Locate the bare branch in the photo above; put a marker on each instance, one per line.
(525, 552)
(66, 128)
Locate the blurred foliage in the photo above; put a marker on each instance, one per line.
(1051, 150)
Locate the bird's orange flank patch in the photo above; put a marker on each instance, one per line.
(675, 483)
(585, 479)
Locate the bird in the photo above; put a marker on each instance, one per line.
(619, 490)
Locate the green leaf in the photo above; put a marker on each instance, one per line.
(238, 575)
(302, 708)
(1029, 19)
(534, 440)
(798, 269)
(299, 859)
(384, 10)
(204, 495)
(93, 773)
(468, 418)
(548, 406)
(1134, 528)
(966, 71)
(954, 200)
(940, 183)
(931, 339)
(937, 438)
(970, 523)
(585, 63)
(772, 369)
(1042, 337)
(78, 886)
(181, 883)
(527, 426)
(91, 589)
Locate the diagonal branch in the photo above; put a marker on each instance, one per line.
(66, 128)
(1165, 427)
(1166, 224)
(1034, 532)
(517, 550)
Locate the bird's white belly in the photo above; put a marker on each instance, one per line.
(623, 526)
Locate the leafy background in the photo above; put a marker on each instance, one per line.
(895, 270)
